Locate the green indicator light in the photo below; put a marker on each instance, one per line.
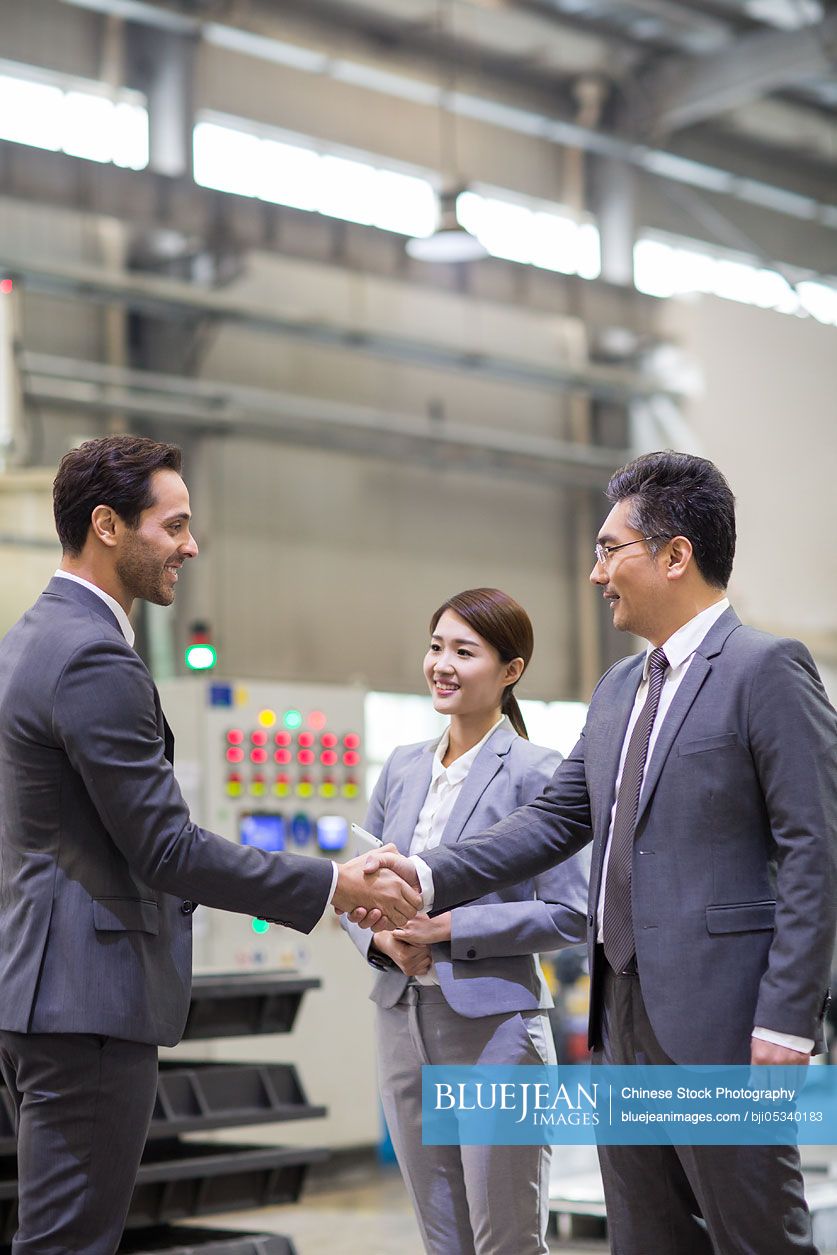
(260, 926)
(200, 657)
(292, 719)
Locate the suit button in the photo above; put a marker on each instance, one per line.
(590, 920)
(472, 954)
(186, 908)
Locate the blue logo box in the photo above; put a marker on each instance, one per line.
(586, 1104)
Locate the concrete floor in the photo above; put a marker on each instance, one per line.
(360, 1210)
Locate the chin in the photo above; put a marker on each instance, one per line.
(160, 597)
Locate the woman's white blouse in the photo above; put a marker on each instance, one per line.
(445, 784)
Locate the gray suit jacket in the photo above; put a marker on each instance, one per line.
(97, 849)
(488, 967)
(734, 876)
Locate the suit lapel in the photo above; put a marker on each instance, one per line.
(612, 735)
(163, 728)
(690, 686)
(483, 770)
(416, 784)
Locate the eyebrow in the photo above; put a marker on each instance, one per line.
(173, 518)
(458, 640)
(605, 538)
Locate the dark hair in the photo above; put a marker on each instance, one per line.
(678, 494)
(501, 621)
(114, 471)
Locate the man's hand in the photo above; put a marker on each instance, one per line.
(766, 1054)
(413, 960)
(380, 891)
(424, 931)
(388, 856)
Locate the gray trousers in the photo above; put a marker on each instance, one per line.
(83, 1105)
(750, 1198)
(468, 1200)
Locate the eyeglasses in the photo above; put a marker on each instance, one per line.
(603, 552)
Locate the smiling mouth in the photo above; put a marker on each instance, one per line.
(445, 688)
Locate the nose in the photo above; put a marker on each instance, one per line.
(598, 575)
(190, 548)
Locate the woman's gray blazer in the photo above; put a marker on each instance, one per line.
(488, 966)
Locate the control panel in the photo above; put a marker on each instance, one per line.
(282, 766)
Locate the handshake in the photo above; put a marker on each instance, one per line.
(380, 891)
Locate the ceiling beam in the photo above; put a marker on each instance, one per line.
(683, 91)
(236, 410)
(178, 299)
(492, 109)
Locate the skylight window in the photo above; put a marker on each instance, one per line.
(531, 234)
(671, 267)
(272, 168)
(47, 110)
(249, 160)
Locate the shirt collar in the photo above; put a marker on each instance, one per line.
(683, 643)
(458, 770)
(111, 603)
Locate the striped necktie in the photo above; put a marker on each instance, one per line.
(617, 923)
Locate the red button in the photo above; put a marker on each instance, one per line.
(258, 756)
(235, 754)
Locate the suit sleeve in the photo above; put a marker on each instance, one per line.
(793, 740)
(374, 823)
(527, 843)
(104, 717)
(554, 918)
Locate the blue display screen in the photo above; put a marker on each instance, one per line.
(332, 832)
(266, 832)
(301, 829)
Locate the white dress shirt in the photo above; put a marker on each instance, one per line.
(128, 632)
(443, 790)
(679, 649)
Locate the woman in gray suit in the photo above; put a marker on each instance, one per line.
(465, 987)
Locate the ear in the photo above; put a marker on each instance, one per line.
(104, 520)
(679, 558)
(514, 670)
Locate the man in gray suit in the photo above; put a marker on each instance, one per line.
(706, 779)
(100, 864)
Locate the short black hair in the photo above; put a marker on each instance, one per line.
(678, 494)
(114, 471)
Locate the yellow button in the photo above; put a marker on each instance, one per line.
(350, 790)
(233, 788)
(257, 788)
(328, 789)
(281, 790)
(304, 789)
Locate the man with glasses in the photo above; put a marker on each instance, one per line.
(706, 778)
